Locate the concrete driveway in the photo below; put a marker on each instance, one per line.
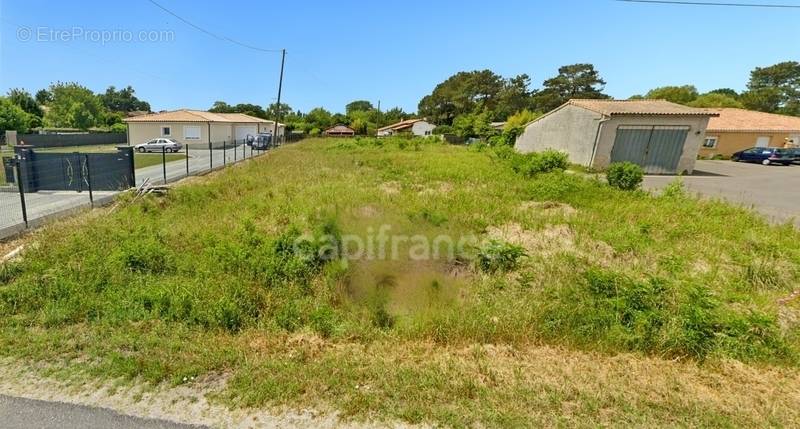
(771, 190)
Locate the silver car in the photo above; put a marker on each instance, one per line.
(159, 145)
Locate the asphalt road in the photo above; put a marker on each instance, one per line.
(772, 190)
(19, 413)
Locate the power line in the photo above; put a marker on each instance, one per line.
(702, 3)
(214, 35)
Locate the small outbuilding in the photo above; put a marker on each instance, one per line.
(738, 129)
(416, 127)
(340, 131)
(662, 137)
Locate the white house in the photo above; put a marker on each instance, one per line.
(417, 127)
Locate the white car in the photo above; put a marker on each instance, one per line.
(159, 145)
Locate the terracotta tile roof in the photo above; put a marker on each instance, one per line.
(741, 120)
(340, 129)
(400, 125)
(186, 115)
(639, 107)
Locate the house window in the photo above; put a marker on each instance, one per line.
(427, 133)
(191, 132)
(166, 131)
(710, 142)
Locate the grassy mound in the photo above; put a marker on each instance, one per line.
(251, 272)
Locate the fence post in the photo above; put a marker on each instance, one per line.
(224, 153)
(187, 160)
(244, 150)
(21, 186)
(235, 152)
(164, 162)
(210, 156)
(89, 179)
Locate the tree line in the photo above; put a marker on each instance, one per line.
(360, 115)
(464, 104)
(68, 105)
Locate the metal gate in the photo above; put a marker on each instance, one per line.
(656, 148)
(76, 171)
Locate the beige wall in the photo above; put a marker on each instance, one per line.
(570, 129)
(730, 142)
(141, 132)
(697, 127)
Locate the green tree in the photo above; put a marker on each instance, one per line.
(462, 93)
(473, 125)
(573, 81)
(393, 116)
(74, 106)
(716, 100)
(515, 125)
(358, 106)
(12, 117)
(123, 100)
(25, 101)
(774, 89)
(514, 97)
(677, 94)
(319, 118)
(726, 91)
(285, 111)
(251, 109)
(43, 97)
(221, 107)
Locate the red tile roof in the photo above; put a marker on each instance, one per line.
(638, 107)
(741, 120)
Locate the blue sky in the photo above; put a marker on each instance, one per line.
(395, 52)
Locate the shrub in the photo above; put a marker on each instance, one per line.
(535, 163)
(497, 256)
(625, 175)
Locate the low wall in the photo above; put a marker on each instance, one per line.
(63, 140)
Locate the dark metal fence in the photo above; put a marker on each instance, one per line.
(36, 186)
(68, 140)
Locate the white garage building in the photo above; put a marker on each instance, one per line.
(662, 137)
(196, 126)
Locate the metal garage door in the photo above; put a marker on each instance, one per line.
(242, 131)
(656, 148)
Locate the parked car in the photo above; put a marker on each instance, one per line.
(764, 155)
(159, 145)
(795, 154)
(261, 141)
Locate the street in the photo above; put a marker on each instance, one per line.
(772, 190)
(20, 413)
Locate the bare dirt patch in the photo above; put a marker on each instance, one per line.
(552, 240)
(545, 242)
(390, 188)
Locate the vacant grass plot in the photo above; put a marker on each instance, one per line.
(411, 280)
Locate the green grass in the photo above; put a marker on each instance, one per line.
(588, 306)
(141, 160)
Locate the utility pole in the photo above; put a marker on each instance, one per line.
(278, 105)
(379, 105)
